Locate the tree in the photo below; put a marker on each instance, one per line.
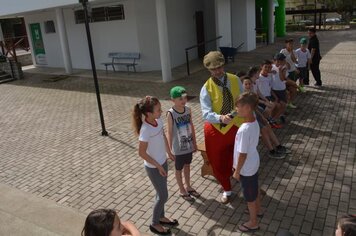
(343, 7)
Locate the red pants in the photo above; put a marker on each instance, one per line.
(220, 151)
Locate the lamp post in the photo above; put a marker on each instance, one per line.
(314, 14)
(97, 91)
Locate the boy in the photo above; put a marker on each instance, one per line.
(292, 87)
(264, 86)
(181, 140)
(279, 77)
(246, 158)
(303, 61)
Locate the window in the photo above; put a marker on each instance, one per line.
(49, 27)
(109, 13)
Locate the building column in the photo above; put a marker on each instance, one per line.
(281, 19)
(63, 41)
(270, 10)
(243, 24)
(223, 22)
(163, 41)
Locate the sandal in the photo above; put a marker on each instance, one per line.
(244, 228)
(155, 231)
(170, 223)
(194, 193)
(260, 215)
(187, 197)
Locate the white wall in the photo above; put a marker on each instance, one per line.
(223, 22)
(243, 24)
(50, 41)
(147, 34)
(182, 28)
(107, 36)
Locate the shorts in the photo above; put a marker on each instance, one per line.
(259, 118)
(249, 185)
(292, 75)
(270, 98)
(182, 160)
(263, 106)
(303, 72)
(281, 95)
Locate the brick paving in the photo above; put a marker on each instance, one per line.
(51, 146)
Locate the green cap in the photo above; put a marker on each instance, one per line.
(303, 41)
(177, 92)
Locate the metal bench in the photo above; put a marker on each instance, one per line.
(127, 59)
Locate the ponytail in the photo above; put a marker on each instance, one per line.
(143, 106)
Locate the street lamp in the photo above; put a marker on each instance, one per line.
(86, 21)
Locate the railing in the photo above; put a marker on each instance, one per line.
(9, 46)
(196, 46)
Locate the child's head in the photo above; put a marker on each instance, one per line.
(253, 73)
(346, 226)
(246, 103)
(303, 43)
(289, 43)
(148, 106)
(266, 67)
(279, 59)
(178, 96)
(102, 222)
(247, 84)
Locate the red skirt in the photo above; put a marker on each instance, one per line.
(220, 151)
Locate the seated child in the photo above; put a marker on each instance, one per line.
(107, 222)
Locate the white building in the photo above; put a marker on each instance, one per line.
(159, 30)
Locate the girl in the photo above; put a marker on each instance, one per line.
(346, 226)
(153, 146)
(105, 222)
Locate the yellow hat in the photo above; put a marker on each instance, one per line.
(213, 60)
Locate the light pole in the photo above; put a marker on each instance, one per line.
(97, 91)
(314, 14)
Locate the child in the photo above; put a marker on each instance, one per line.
(291, 85)
(346, 226)
(105, 222)
(269, 139)
(303, 61)
(246, 158)
(264, 86)
(181, 140)
(279, 75)
(153, 146)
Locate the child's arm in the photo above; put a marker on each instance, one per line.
(168, 150)
(240, 163)
(193, 132)
(282, 73)
(142, 152)
(169, 129)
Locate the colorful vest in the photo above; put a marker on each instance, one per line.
(216, 97)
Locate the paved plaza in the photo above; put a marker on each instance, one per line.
(51, 148)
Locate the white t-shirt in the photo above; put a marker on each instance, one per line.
(264, 85)
(277, 83)
(289, 59)
(302, 57)
(246, 141)
(153, 135)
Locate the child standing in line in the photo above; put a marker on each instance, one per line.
(246, 158)
(153, 146)
(181, 140)
(303, 61)
(106, 222)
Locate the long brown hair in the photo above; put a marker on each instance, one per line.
(99, 223)
(143, 106)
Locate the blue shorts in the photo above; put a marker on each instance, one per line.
(249, 185)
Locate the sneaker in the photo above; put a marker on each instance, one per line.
(317, 85)
(301, 89)
(275, 155)
(276, 126)
(283, 150)
(283, 119)
(291, 105)
(225, 199)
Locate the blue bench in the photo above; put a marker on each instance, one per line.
(127, 59)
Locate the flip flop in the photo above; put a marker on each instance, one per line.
(170, 223)
(194, 193)
(187, 197)
(260, 215)
(247, 229)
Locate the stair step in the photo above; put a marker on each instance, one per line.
(6, 80)
(4, 76)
